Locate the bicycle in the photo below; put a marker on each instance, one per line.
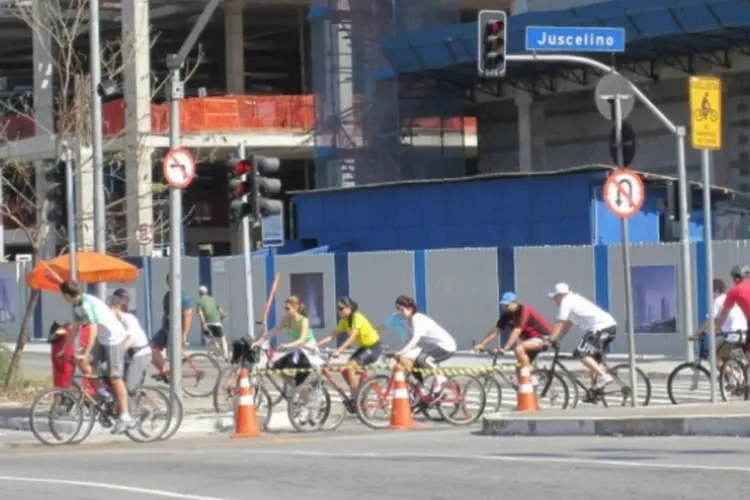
(618, 387)
(700, 377)
(492, 384)
(707, 114)
(193, 375)
(214, 348)
(448, 402)
(79, 411)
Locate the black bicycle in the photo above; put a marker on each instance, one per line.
(619, 389)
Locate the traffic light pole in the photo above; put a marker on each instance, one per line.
(70, 202)
(175, 93)
(97, 146)
(247, 249)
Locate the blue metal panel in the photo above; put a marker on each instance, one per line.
(341, 282)
(38, 326)
(644, 226)
(702, 284)
(420, 280)
(506, 278)
(270, 276)
(205, 277)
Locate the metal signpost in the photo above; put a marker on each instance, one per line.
(97, 147)
(247, 249)
(70, 202)
(706, 135)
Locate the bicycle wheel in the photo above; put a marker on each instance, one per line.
(551, 388)
(574, 392)
(152, 411)
(263, 406)
(493, 392)
(621, 374)
(225, 390)
(462, 401)
(377, 389)
(689, 383)
(178, 413)
(309, 406)
(56, 416)
(733, 380)
(199, 374)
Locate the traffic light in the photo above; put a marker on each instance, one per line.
(491, 30)
(240, 188)
(57, 209)
(264, 188)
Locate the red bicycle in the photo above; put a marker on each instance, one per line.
(460, 401)
(200, 374)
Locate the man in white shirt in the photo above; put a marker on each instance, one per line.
(732, 332)
(599, 326)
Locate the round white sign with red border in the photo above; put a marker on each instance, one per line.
(144, 234)
(624, 193)
(179, 168)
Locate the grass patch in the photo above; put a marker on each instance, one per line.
(22, 389)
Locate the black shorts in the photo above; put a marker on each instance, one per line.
(295, 360)
(216, 331)
(594, 343)
(365, 356)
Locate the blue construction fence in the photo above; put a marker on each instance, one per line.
(460, 288)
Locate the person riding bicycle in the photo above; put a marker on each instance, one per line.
(138, 355)
(736, 324)
(211, 315)
(528, 328)
(160, 339)
(304, 353)
(738, 295)
(359, 330)
(599, 326)
(429, 344)
(107, 344)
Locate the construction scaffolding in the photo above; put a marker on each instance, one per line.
(373, 125)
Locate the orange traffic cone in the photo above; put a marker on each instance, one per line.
(526, 396)
(401, 417)
(245, 418)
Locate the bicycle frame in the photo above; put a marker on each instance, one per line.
(556, 363)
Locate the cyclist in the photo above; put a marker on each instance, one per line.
(736, 324)
(359, 330)
(429, 343)
(160, 339)
(526, 325)
(211, 315)
(738, 295)
(107, 344)
(138, 354)
(303, 355)
(599, 326)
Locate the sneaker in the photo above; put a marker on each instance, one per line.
(123, 423)
(602, 382)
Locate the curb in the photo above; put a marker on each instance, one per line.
(734, 426)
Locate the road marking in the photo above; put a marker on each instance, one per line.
(494, 458)
(105, 486)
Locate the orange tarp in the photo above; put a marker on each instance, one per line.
(93, 267)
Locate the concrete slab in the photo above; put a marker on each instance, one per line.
(731, 419)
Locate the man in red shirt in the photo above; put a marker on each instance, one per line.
(738, 295)
(526, 325)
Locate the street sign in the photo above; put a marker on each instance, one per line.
(574, 39)
(144, 234)
(609, 88)
(179, 168)
(272, 230)
(706, 112)
(624, 193)
(628, 144)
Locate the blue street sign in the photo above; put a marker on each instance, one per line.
(574, 39)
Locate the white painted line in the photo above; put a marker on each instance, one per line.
(105, 486)
(494, 458)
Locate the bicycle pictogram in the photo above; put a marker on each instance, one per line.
(706, 111)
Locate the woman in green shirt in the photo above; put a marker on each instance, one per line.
(303, 346)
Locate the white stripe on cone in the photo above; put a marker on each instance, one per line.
(244, 383)
(245, 401)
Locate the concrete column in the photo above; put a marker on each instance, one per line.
(137, 87)
(44, 115)
(531, 146)
(84, 180)
(234, 40)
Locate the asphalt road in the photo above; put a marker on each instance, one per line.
(428, 464)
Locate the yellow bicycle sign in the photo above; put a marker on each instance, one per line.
(706, 112)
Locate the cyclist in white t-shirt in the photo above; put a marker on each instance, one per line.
(599, 326)
(733, 330)
(428, 345)
(139, 352)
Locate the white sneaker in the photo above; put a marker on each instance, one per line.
(123, 423)
(602, 382)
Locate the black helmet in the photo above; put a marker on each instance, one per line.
(742, 271)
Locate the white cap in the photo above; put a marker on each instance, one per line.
(203, 289)
(560, 289)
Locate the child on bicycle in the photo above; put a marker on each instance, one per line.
(358, 329)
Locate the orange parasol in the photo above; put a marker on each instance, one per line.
(93, 267)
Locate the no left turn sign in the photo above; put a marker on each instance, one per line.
(179, 168)
(624, 193)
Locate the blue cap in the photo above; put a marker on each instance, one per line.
(508, 297)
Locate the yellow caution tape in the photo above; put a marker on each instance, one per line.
(450, 371)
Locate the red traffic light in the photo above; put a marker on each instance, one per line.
(243, 167)
(497, 26)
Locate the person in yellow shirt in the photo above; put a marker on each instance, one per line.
(360, 330)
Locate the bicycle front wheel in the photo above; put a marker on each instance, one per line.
(373, 401)
(199, 374)
(621, 374)
(689, 383)
(225, 390)
(463, 400)
(152, 411)
(493, 392)
(178, 413)
(551, 389)
(309, 407)
(733, 380)
(56, 416)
